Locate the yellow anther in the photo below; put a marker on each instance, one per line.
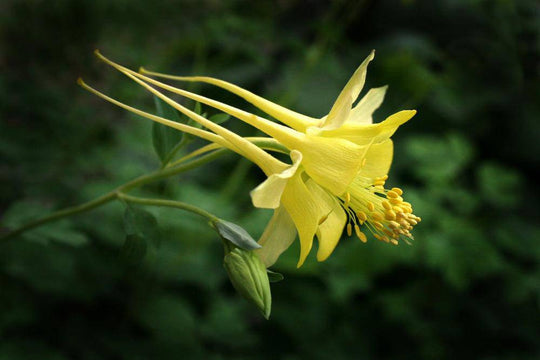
(407, 204)
(383, 178)
(397, 191)
(397, 209)
(361, 216)
(379, 183)
(390, 215)
(377, 216)
(392, 194)
(370, 206)
(378, 237)
(360, 234)
(395, 201)
(404, 223)
(386, 205)
(388, 232)
(394, 241)
(412, 221)
(378, 225)
(394, 224)
(349, 229)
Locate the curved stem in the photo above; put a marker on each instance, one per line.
(61, 214)
(112, 195)
(168, 203)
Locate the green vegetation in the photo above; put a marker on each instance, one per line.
(468, 288)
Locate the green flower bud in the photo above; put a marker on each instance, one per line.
(249, 277)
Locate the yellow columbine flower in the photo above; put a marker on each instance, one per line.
(337, 174)
(332, 162)
(365, 199)
(300, 204)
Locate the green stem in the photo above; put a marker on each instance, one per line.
(173, 152)
(168, 203)
(112, 195)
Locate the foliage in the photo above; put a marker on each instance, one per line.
(467, 288)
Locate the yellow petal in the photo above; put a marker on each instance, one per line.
(342, 107)
(277, 237)
(331, 162)
(268, 194)
(378, 159)
(304, 211)
(363, 111)
(361, 134)
(389, 126)
(291, 118)
(330, 230)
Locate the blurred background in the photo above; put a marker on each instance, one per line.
(469, 286)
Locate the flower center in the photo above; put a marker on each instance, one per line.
(382, 211)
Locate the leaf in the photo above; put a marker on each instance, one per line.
(188, 138)
(274, 276)
(134, 249)
(197, 108)
(141, 231)
(66, 236)
(165, 138)
(499, 185)
(219, 118)
(236, 234)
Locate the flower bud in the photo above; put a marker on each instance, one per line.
(249, 277)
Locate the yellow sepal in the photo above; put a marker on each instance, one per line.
(278, 235)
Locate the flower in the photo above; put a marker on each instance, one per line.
(365, 200)
(338, 166)
(296, 198)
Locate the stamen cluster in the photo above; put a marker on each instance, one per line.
(384, 212)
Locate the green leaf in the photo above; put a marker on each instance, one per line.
(236, 234)
(65, 235)
(197, 108)
(165, 138)
(141, 222)
(219, 118)
(134, 249)
(188, 137)
(274, 276)
(141, 232)
(499, 185)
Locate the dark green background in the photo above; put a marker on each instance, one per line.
(467, 289)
